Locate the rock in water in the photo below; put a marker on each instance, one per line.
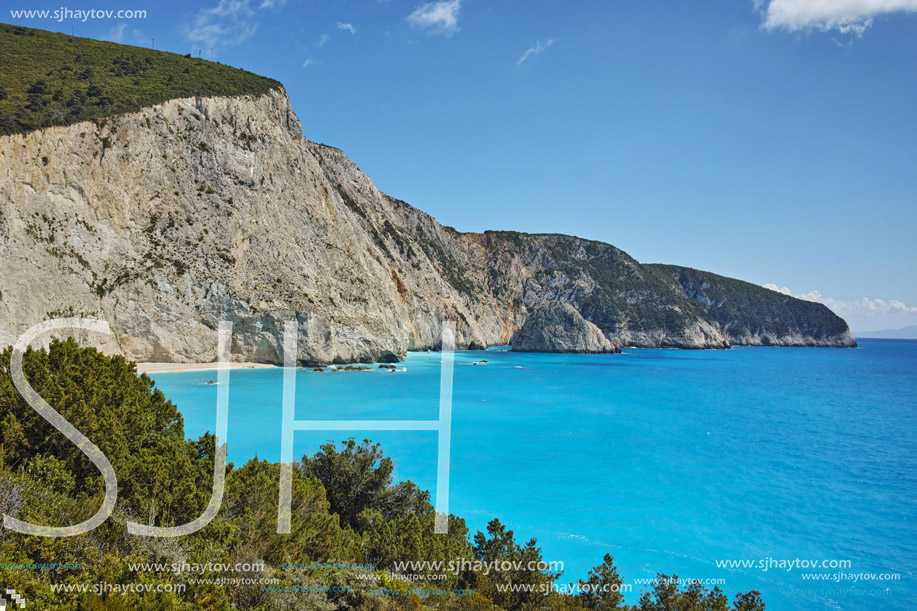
(558, 327)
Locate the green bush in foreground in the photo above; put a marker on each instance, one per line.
(51, 79)
(346, 509)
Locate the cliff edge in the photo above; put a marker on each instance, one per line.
(167, 219)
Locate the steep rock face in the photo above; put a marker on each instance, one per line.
(752, 315)
(168, 220)
(559, 327)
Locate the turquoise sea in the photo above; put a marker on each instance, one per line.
(672, 461)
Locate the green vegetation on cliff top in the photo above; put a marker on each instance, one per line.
(746, 308)
(49, 79)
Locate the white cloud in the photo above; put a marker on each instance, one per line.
(116, 34)
(228, 23)
(845, 16)
(347, 27)
(774, 287)
(437, 17)
(309, 62)
(862, 314)
(322, 40)
(538, 48)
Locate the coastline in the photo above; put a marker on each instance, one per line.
(186, 367)
(170, 367)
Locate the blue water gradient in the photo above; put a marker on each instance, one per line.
(669, 460)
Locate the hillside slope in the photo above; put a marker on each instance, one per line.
(753, 315)
(168, 219)
(49, 79)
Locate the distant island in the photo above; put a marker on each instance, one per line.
(909, 332)
(164, 193)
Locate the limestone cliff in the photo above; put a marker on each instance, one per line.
(558, 327)
(167, 220)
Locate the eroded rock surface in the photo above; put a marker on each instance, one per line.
(168, 220)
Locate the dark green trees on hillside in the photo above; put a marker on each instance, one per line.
(602, 589)
(666, 596)
(54, 79)
(358, 478)
(142, 434)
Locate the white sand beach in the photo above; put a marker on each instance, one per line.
(183, 367)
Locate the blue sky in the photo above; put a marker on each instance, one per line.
(774, 141)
